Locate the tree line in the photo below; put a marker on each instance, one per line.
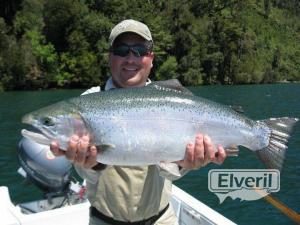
(64, 43)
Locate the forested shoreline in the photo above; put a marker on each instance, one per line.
(63, 43)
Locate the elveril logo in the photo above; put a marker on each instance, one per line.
(245, 184)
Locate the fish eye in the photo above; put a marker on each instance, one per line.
(47, 121)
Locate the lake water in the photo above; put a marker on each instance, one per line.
(257, 101)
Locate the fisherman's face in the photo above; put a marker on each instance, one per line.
(130, 70)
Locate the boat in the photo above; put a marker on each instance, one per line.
(65, 200)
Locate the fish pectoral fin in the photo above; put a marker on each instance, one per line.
(105, 147)
(232, 151)
(171, 168)
(172, 84)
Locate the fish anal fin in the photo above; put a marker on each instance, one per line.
(232, 150)
(106, 147)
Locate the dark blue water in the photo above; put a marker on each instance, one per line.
(258, 102)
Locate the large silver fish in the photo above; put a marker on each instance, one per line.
(153, 124)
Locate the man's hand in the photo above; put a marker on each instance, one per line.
(78, 152)
(201, 153)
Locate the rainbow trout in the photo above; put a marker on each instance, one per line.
(153, 124)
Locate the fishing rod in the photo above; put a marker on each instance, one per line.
(293, 215)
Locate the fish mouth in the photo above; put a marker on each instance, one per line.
(38, 137)
(34, 133)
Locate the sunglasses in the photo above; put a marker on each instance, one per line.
(137, 50)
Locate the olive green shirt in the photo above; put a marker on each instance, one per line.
(128, 193)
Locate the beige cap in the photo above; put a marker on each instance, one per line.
(130, 26)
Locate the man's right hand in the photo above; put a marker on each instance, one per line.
(78, 152)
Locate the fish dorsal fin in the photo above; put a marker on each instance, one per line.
(237, 108)
(172, 84)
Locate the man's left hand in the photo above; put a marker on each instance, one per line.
(202, 152)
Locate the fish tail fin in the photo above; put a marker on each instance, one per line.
(273, 155)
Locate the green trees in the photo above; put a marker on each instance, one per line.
(63, 43)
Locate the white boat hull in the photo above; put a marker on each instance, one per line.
(189, 210)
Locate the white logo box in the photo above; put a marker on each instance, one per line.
(225, 180)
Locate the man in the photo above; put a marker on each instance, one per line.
(133, 195)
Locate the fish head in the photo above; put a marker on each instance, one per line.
(57, 122)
